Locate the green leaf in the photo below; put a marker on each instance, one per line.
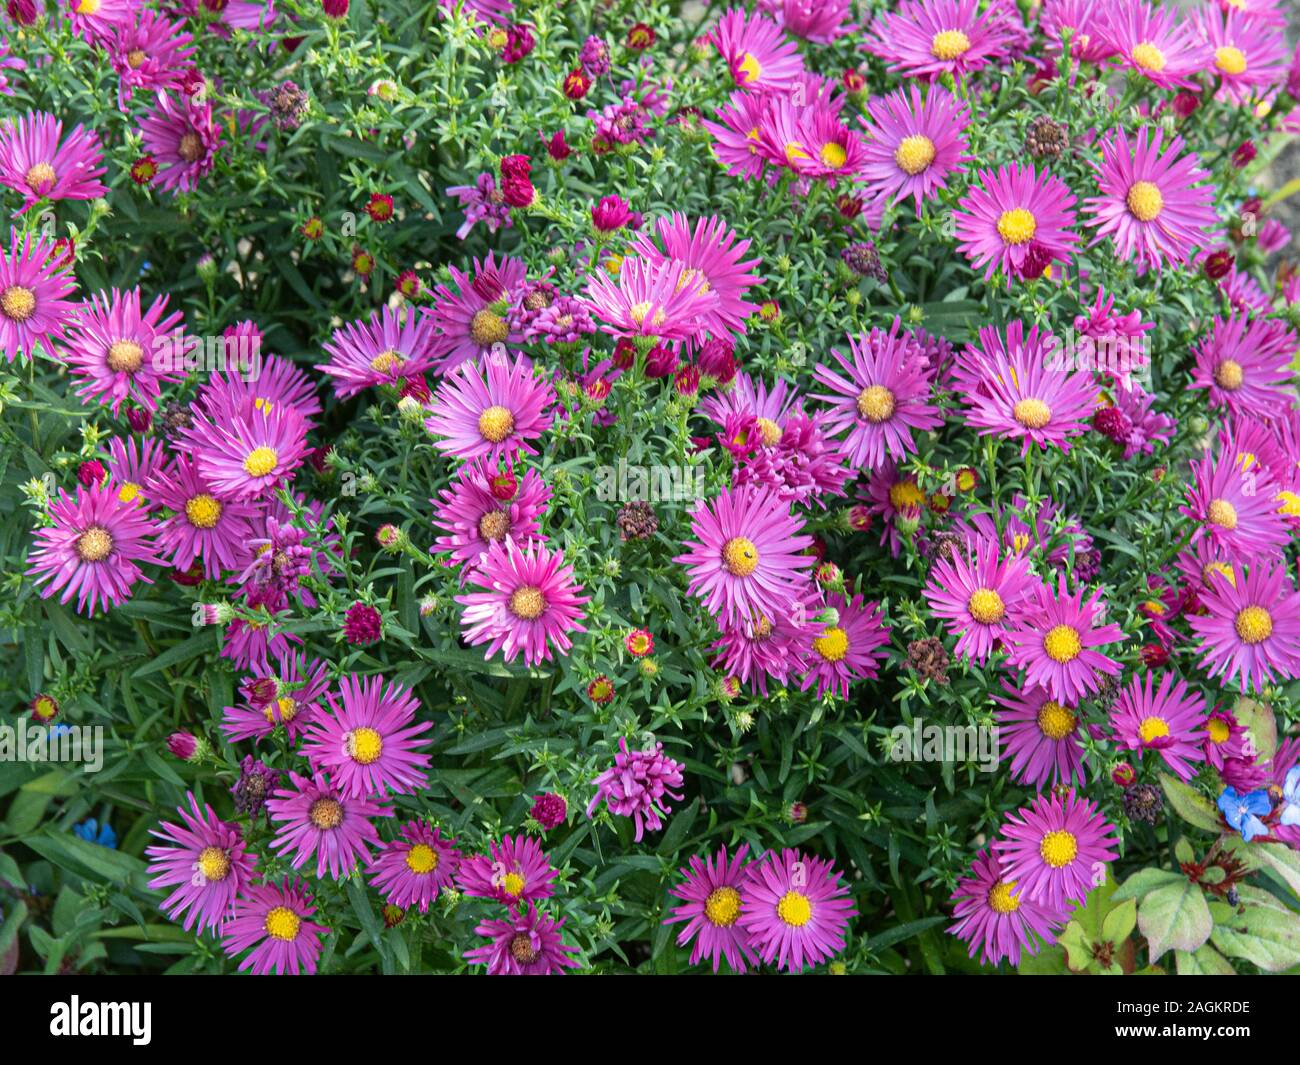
(1267, 934)
(1258, 720)
(1175, 917)
(200, 643)
(1190, 804)
(1050, 961)
(1078, 947)
(89, 860)
(1204, 962)
(902, 932)
(1119, 923)
(1145, 881)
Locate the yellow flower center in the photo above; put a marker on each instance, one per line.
(203, 511)
(326, 814)
(88, 7)
(1153, 728)
(794, 909)
(495, 424)
(129, 492)
(1254, 624)
(1058, 848)
(1218, 730)
(18, 303)
(1229, 375)
(905, 494)
(1145, 200)
(387, 361)
(283, 709)
(422, 859)
(1056, 721)
(1017, 226)
(487, 328)
(833, 644)
(947, 45)
(914, 153)
(722, 907)
(876, 404)
(833, 155)
(40, 178)
(214, 863)
(1222, 513)
(1230, 60)
(95, 544)
(527, 602)
(986, 606)
(364, 745)
(283, 924)
(1288, 503)
(769, 431)
(1000, 898)
(1062, 644)
(638, 312)
(513, 884)
(494, 525)
(1149, 57)
(1221, 568)
(261, 461)
(135, 58)
(124, 356)
(740, 556)
(1032, 413)
(750, 69)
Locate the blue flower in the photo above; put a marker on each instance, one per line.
(1242, 811)
(1291, 797)
(92, 832)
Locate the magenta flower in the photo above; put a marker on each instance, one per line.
(514, 871)
(368, 742)
(1160, 43)
(275, 922)
(978, 595)
(1249, 56)
(527, 943)
(1055, 641)
(758, 54)
(183, 139)
(845, 650)
(1055, 849)
(491, 409)
(205, 860)
(411, 871)
(1086, 21)
(387, 350)
(34, 286)
(472, 516)
(202, 527)
(1168, 720)
(314, 817)
(914, 145)
(930, 38)
(710, 909)
(638, 785)
(471, 321)
(774, 647)
(794, 909)
(1041, 737)
(1233, 507)
(39, 163)
(996, 920)
(248, 452)
(1250, 630)
(1015, 216)
(288, 694)
(661, 298)
(150, 53)
(1244, 363)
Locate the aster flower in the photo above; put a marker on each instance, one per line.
(287, 694)
(204, 860)
(527, 943)
(913, 144)
(758, 54)
(1167, 720)
(794, 909)
(1157, 206)
(978, 594)
(930, 38)
(1250, 628)
(880, 399)
(1041, 737)
(638, 785)
(412, 870)
(95, 20)
(530, 602)
(769, 647)
(746, 560)
(1225, 738)
(133, 465)
(1233, 507)
(151, 52)
(473, 321)
(249, 452)
(368, 742)
(93, 549)
(1086, 21)
(314, 817)
(1249, 56)
(183, 140)
(735, 135)
(1015, 388)
(1245, 364)
(710, 909)
(34, 286)
(514, 871)
(809, 139)
(1055, 641)
(39, 163)
(387, 350)
(1020, 529)
(1013, 214)
(991, 915)
(1052, 849)
(482, 202)
(473, 517)
(845, 650)
(275, 921)
(897, 500)
(491, 409)
(1159, 43)
(665, 299)
(202, 526)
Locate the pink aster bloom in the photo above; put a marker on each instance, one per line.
(491, 410)
(710, 909)
(772, 647)
(735, 134)
(314, 817)
(1245, 364)
(205, 860)
(991, 915)
(1157, 207)
(39, 163)
(481, 202)
(96, 20)
(661, 298)
(1055, 642)
(1016, 387)
(472, 320)
(1250, 628)
(1010, 214)
(529, 603)
(1248, 55)
(390, 349)
(472, 516)
(810, 139)
(369, 741)
(93, 549)
(846, 648)
(930, 38)
(1225, 738)
(286, 694)
(1055, 849)
(1041, 737)
(1086, 21)
(202, 526)
(113, 349)
(912, 144)
(514, 871)
(795, 909)
(1167, 719)
(758, 54)
(412, 870)
(249, 452)
(978, 595)
(183, 139)
(1233, 507)
(1160, 43)
(274, 920)
(133, 464)
(34, 286)
(527, 943)
(150, 53)
(820, 21)
(638, 785)
(747, 560)
(881, 397)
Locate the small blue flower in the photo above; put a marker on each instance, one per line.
(1242, 811)
(91, 831)
(1291, 797)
